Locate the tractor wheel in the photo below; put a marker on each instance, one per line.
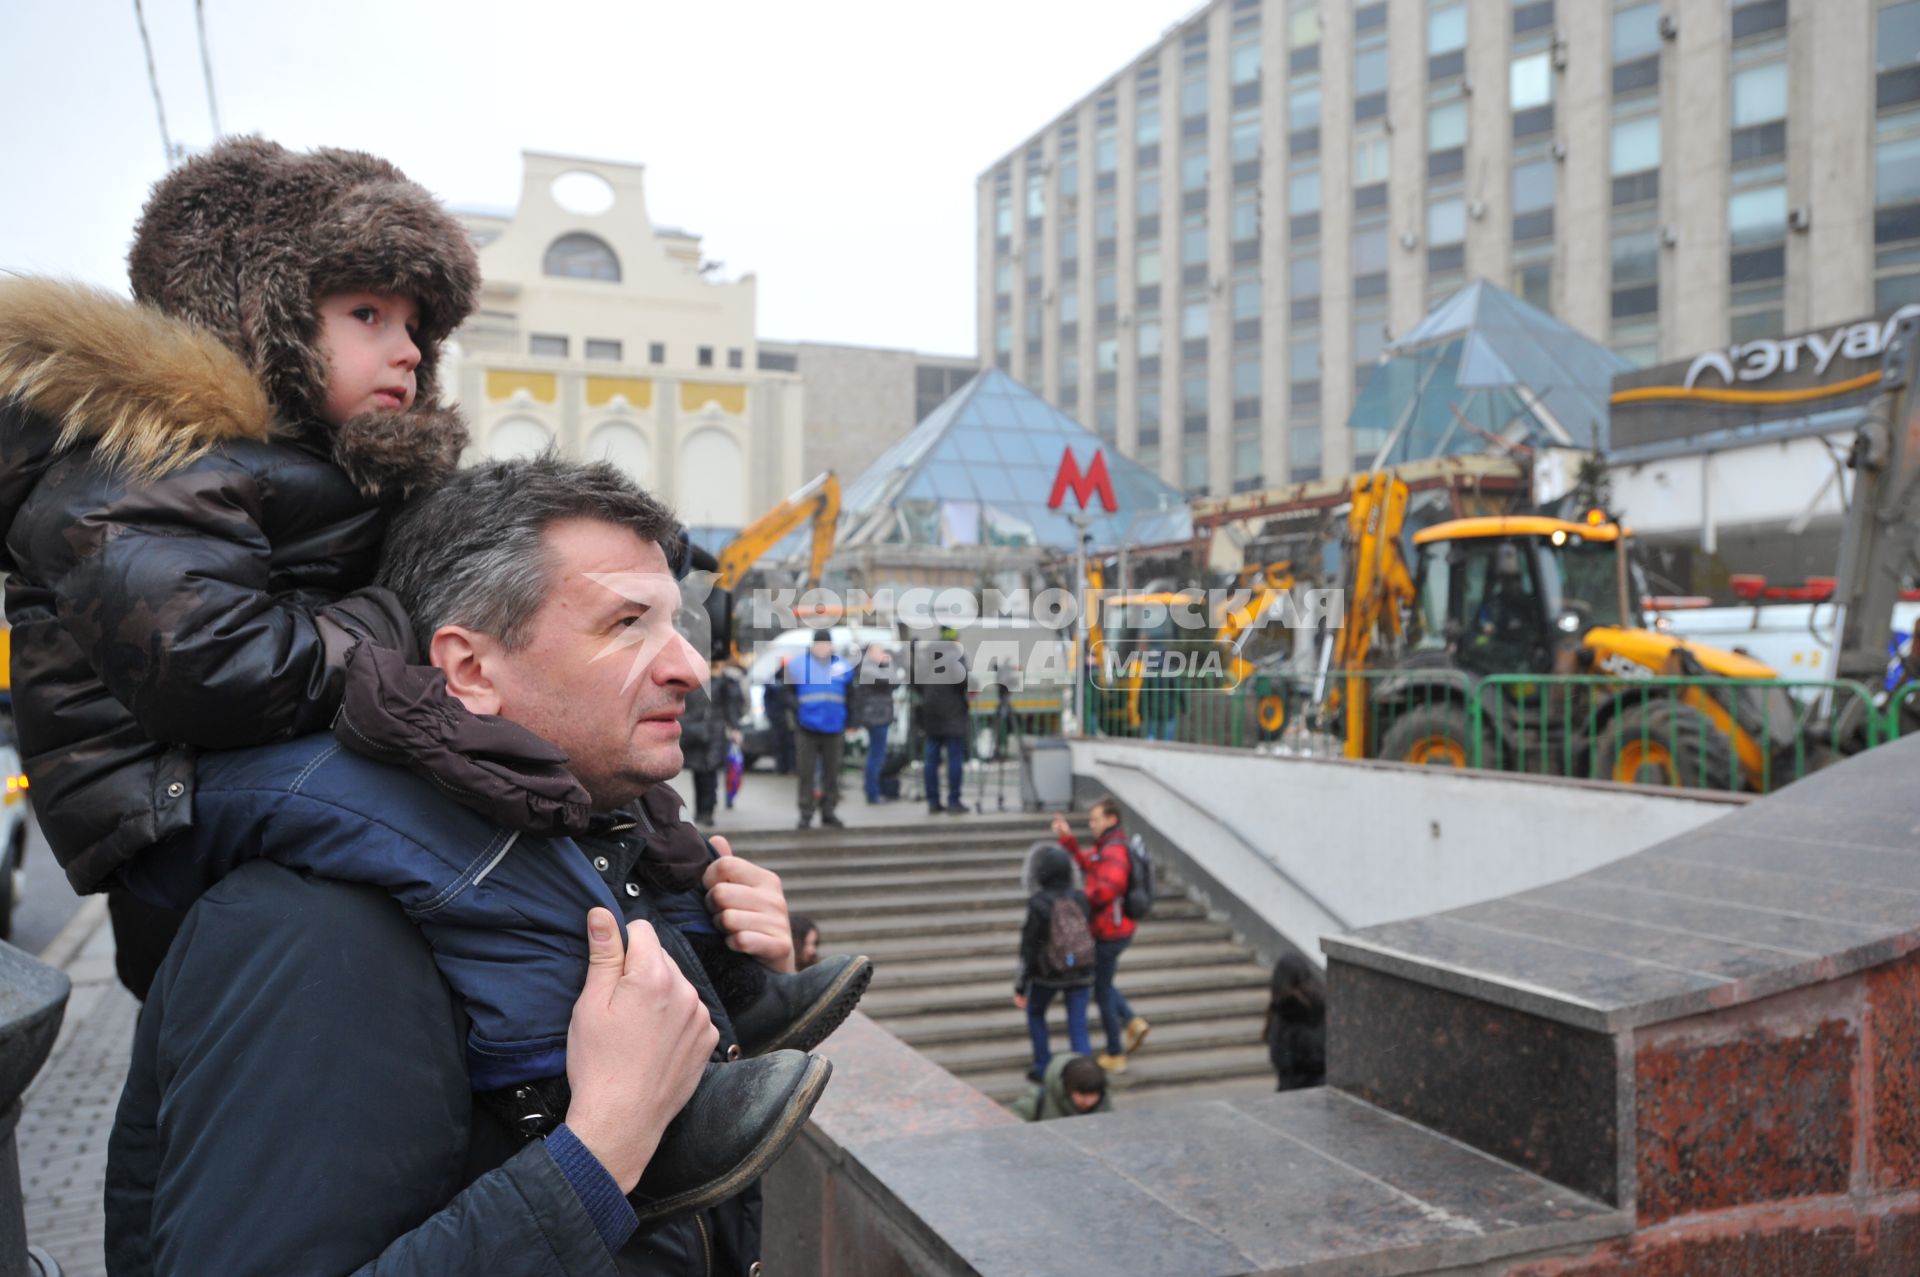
(1667, 743)
(1271, 715)
(1432, 735)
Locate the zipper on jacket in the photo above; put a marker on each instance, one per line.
(706, 1247)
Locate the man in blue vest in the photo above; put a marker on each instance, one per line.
(820, 684)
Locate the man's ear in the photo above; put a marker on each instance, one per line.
(471, 662)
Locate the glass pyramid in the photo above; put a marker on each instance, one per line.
(1484, 363)
(978, 472)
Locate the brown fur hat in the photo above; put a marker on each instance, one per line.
(244, 239)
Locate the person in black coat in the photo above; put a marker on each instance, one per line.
(943, 714)
(710, 724)
(194, 485)
(778, 700)
(1038, 979)
(1296, 1028)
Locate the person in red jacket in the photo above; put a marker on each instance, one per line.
(1106, 869)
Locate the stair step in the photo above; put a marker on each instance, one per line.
(1137, 960)
(956, 833)
(791, 866)
(883, 1004)
(1014, 1051)
(1147, 1072)
(844, 932)
(1231, 1088)
(924, 1032)
(932, 877)
(835, 905)
(1005, 941)
(936, 909)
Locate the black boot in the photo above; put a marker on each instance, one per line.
(741, 1117)
(798, 1012)
(775, 1011)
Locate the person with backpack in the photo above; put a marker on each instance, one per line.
(1056, 956)
(1119, 897)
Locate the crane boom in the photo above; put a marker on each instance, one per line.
(817, 502)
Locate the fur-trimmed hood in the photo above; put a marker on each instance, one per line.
(152, 394)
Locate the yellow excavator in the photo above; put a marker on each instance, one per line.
(818, 502)
(1527, 594)
(1159, 622)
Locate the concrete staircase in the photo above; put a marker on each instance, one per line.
(938, 905)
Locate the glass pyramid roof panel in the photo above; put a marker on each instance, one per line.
(997, 445)
(1502, 365)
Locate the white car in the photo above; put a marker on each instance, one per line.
(849, 641)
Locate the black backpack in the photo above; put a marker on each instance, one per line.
(1069, 948)
(1138, 902)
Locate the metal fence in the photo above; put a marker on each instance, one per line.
(1725, 734)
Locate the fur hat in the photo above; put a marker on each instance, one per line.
(244, 239)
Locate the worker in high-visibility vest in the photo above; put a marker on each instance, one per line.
(821, 682)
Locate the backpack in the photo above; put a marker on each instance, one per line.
(1138, 902)
(1069, 943)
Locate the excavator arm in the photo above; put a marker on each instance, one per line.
(818, 502)
(1378, 587)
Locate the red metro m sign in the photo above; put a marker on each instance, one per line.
(1094, 481)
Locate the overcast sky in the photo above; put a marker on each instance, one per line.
(829, 147)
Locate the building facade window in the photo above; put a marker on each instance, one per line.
(578, 255)
(1530, 94)
(1757, 232)
(1759, 113)
(1533, 184)
(1193, 167)
(1896, 158)
(1634, 160)
(1636, 49)
(1369, 63)
(657, 352)
(1303, 35)
(737, 358)
(600, 348)
(1446, 41)
(547, 346)
(1193, 240)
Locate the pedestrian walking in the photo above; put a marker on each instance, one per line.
(1056, 956)
(873, 690)
(821, 682)
(940, 681)
(1108, 872)
(709, 726)
(777, 699)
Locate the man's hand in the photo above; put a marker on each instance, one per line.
(1061, 829)
(1020, 1001)
(636, 1046)
(751, 907)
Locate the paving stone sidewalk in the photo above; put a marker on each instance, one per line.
(69, 1109)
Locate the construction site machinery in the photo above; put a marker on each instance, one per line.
(1530, 595)
(1880, 543)
(816, 503)
(1152, 650)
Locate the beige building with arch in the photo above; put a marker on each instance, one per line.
(610, 337)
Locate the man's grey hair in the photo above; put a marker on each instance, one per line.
(471, 551)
